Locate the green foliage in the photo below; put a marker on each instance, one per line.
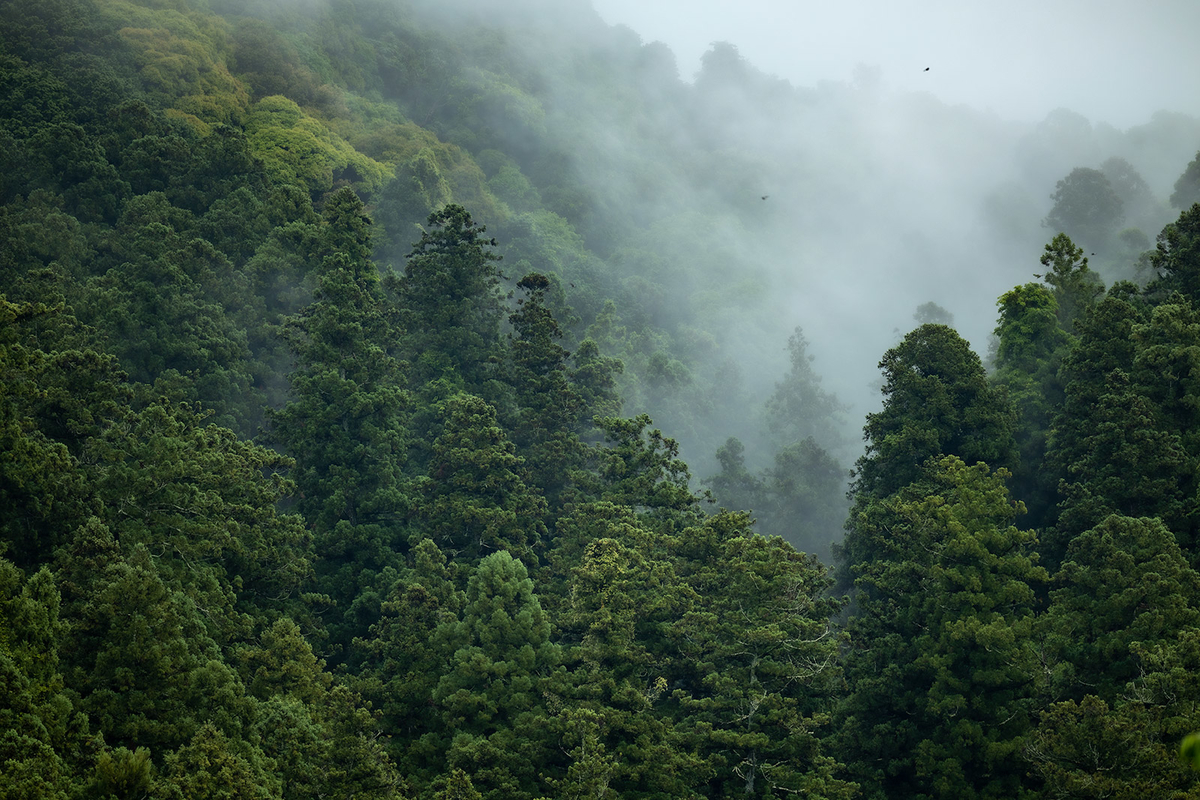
(799, 408)
(519, 591)
(1176, 257)
(297, 148)
(213, 766)
(491, 694)
(1085, 206)
(38, 726)
(1076, 288)
(1124, 586)
(1187, 188)
(475, 499)
(754, 662)
(450, 300)
(548, 407)
(941, 659)
(1089, 749)
(640, 469)
(937, 401)
(1031, 344)
(346, 420)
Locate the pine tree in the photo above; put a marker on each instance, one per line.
(941, 664)
(755, 660)
(491, 696)
(345, 424)
(475, 500)
(937, 401)
(452, 304)
(1031, 345)
(546, 404)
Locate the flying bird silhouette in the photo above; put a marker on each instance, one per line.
(765, 196)
(927, 69)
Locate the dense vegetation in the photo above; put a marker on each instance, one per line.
(324, 470)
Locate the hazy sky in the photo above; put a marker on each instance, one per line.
(1115, 61)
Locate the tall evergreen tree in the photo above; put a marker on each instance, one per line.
(1076, 287)
(492, 693)
(937, 401)
(546, 404)
(1031, 344)
(345, 425)
(940, 668)
(475, 499)
(799, 408)
(1176, 257)
(452, 304)
(754, 665)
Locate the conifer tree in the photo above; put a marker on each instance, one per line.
(547, 406)
(1119, 648)
(937, 401)
(1076, 287)
(755, 662)
(451, 303)
(940, 667)
(345, 425)
(491, 695)
(799, 408)
(40, 731)
(1031, 344)
(622, 597)
(475, 499)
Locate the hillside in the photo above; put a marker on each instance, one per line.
(355, 354)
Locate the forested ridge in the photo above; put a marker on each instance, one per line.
(327, 466)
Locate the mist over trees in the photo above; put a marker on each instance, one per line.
(451, 399)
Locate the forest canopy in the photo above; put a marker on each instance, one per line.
(399, 406)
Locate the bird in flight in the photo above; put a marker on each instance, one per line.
(927, 69)
(765, 196)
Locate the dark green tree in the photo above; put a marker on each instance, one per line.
(1030, 347)
(735, 487)
(799, 408)
(491, 695)
(475, 499)
(141, 657)
(622, 597)
(1076, 287)
(639, 468)
(451, 302)
(1104, 345)
(940, 667)
(937, 401)
(1187, 188)
(754, 665)
(547, 406)
(345, 425)
(594, 378)
(805, 498)
(1125, 586)
(1119, 648)
(407, 652)
(1176, 257)
(320, 736)
(41, 733)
